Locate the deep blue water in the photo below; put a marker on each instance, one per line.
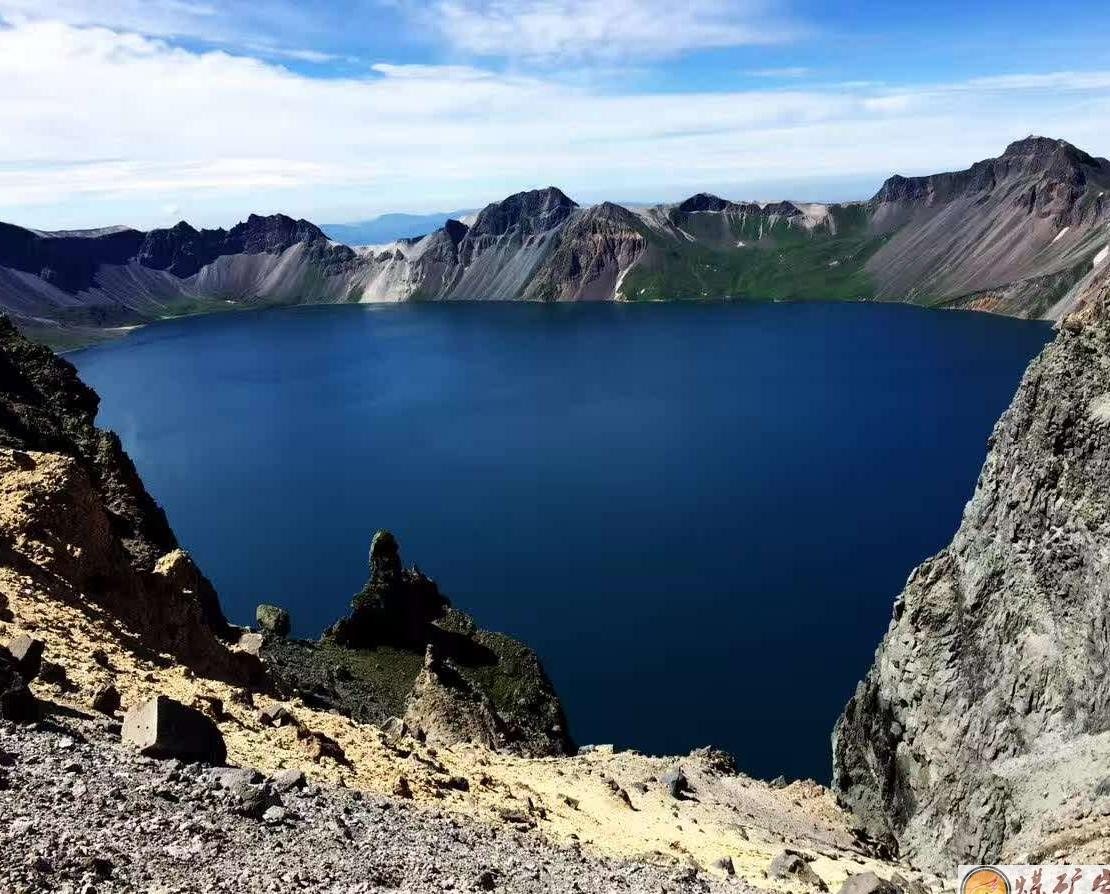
(698, 515)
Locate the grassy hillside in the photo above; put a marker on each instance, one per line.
(780, 262)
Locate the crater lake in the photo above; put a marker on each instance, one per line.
(698, 514)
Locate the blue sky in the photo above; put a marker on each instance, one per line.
(147, 111)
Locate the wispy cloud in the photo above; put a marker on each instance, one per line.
(256, 27)
(788, 72)
(572, 30)
(158, 125)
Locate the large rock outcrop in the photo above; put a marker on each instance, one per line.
(76, 520)
(983, 727)
(404, 650)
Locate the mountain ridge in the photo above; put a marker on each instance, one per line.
(1017, 234)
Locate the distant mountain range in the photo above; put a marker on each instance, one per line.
(1020, 234)
(390, 227)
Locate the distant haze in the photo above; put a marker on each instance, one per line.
(389, 227)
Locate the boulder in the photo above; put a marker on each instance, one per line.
(27, 652)
(253, 800)
(402, 788)
(106, 700)
(162, 727)
(273, 620)
(279, 715)
(725, 865)
(16, 702)
(55, 675)
(792, 865)
(676, 782)
(251, 643)
(287, 780)
(868, 883)
(231, 777)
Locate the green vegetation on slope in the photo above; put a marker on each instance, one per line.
(783, 262)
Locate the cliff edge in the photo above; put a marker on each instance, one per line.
(982, 731)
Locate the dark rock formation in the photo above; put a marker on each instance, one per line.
(523, 214)
(371, 665)
(986, 695)
(1055, 162)
(16, 702)
(67, 261)
(107, 700)
(396, 607)
(71, 261)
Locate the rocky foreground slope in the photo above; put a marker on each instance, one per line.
(1018, 234)
(982, 732)
(467, 786)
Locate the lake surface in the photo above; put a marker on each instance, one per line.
(699, 516)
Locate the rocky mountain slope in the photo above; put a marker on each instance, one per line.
(1017, 234)
(102, 616)
(75, 516)
(982, 732)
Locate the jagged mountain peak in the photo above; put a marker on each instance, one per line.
(532, 211)
(610, 211)
(1039, 147)
(456, 230)
(281, 225)
(703, 201)
(1031, 158)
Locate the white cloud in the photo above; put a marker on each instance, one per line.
(572, 30)
(107, 127)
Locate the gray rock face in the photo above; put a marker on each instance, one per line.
(162, 727)
(447, 709)
(999, 646)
